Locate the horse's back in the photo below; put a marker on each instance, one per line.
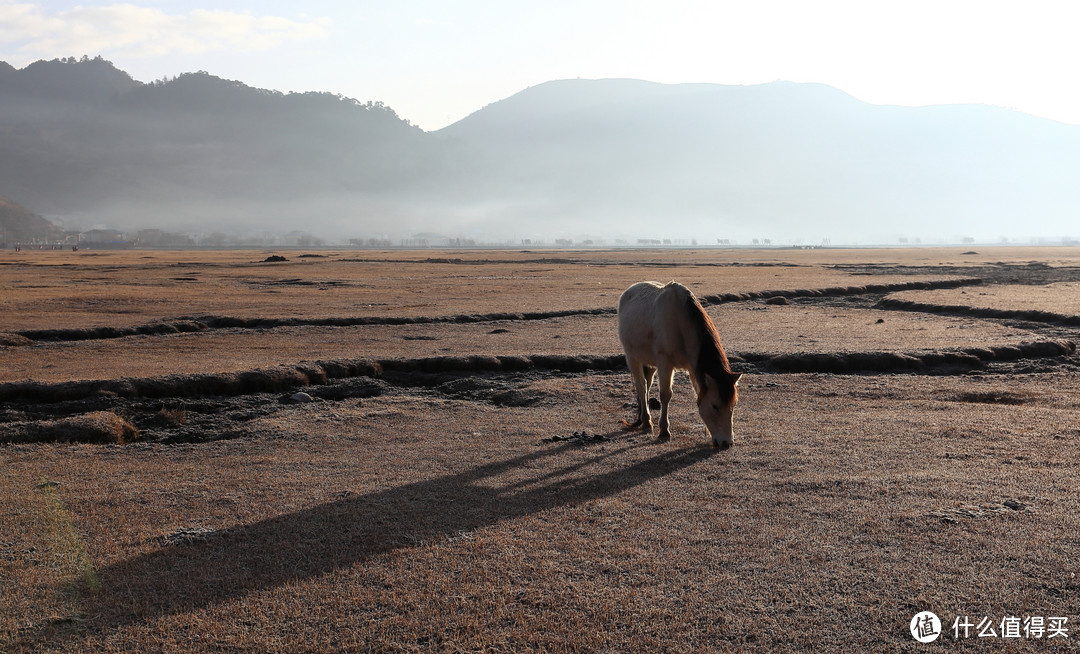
(638, 304)
(649, 298)
(637, 294)
(648, 314)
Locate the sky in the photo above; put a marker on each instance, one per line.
(436, 61)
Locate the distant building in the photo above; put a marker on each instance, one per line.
(103, 236)
(159, 238)
(371, 242)
(427, 239)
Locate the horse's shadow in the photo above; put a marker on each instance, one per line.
(339, 534)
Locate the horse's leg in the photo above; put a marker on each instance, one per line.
(643, 400)
(642, 381)
(666, 374)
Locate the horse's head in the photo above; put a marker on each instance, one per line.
(716, 404)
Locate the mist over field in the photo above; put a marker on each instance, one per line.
(610, 161)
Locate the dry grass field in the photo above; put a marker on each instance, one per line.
(458, 477)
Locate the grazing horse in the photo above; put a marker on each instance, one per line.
(664, 327)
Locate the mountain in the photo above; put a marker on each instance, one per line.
(66, 82)
(19, 225)
(782, 160)
(84, 143)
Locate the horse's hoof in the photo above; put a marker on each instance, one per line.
(663, 437)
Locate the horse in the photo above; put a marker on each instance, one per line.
(663, 328)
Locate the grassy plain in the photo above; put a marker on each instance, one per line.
(442, 506)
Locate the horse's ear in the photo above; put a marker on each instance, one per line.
(735, 378)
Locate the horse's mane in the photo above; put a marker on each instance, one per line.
(712, 360)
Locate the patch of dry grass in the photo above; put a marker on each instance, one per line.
(415, 523)
(46, 290)
(424, 520)
(1062, 298)
(792, 329)
(51, 570)
(93, 427)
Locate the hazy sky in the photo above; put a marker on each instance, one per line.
(436, 61)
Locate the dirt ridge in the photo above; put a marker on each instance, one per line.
(201, 323)
(1031, 315)
(312, 373)
(974, 357)
(842, 290)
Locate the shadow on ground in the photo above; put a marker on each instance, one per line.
(298, 546)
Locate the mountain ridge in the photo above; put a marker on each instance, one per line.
(20, 225)
(192, 152)
(794, 155)
(83, 142)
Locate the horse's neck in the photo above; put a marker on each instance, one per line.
(694, 341)
(700, 349)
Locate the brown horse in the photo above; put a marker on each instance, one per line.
(664, 327)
